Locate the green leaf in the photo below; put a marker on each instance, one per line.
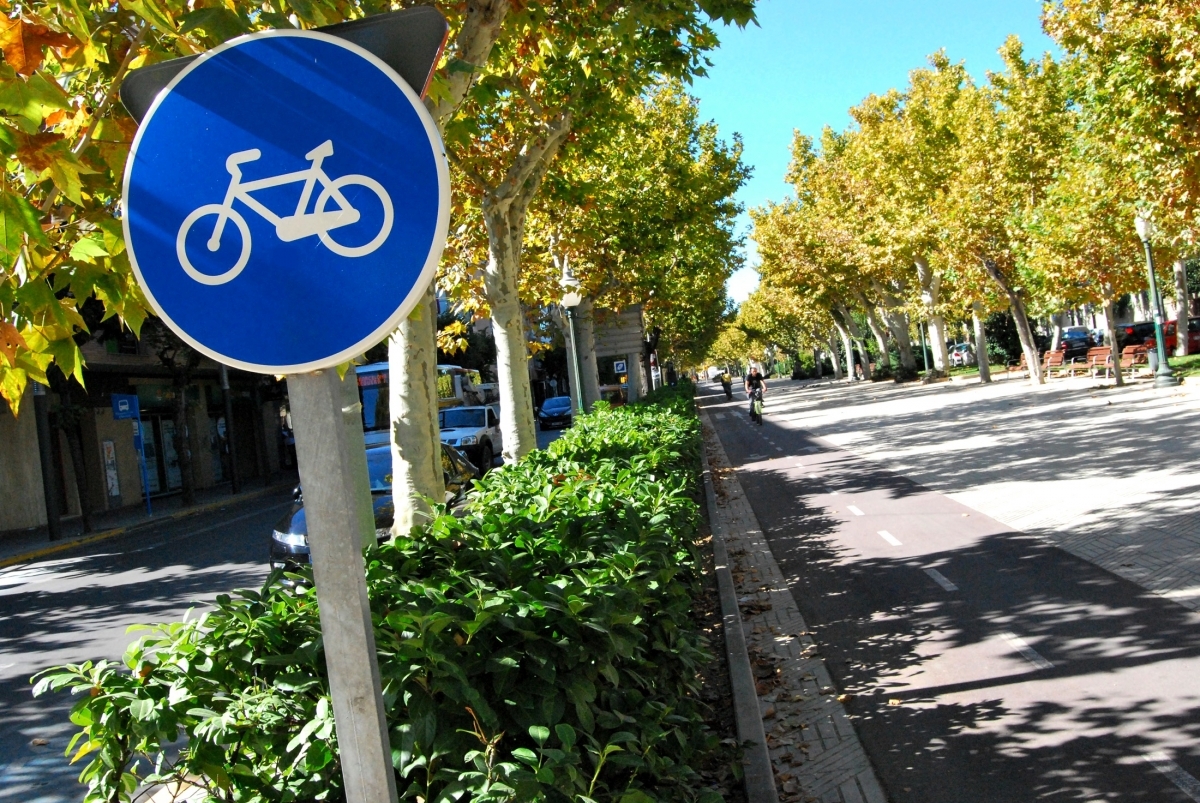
(526, 755)
(29, 100)
(18, 217)
(566, 735)
(87, 248)
(141, 708)
(539, 733)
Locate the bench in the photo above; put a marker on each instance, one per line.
(1056, 360)
(1020, 367)
(1099, 359)
(1132, 356)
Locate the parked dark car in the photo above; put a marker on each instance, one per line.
(289, 539)
(555, 413)
(1075, 342)
(1134, 334)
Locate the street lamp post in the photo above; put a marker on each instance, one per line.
(570, 300)
(1163, 376)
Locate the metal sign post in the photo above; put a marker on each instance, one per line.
(125, 406)
(286, 203)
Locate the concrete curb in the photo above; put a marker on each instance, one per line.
(759, 777)
(105, 535)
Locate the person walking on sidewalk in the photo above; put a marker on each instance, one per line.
(756, 387)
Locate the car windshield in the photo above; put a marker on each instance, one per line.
(1075, 331)
(556, 404)
(379, 468)
(461, 419)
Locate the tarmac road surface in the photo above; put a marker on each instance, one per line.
(984, 664)
(72, 608)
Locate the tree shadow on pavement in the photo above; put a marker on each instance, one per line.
(947, 709)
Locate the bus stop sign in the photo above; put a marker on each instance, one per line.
(286, 201)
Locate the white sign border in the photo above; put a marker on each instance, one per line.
(428, 271)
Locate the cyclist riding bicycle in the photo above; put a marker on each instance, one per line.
(756, 387)
(727, 384)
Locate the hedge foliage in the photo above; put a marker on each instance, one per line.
(539, 648)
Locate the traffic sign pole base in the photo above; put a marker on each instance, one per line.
(341, 521)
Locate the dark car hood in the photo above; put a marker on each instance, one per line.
(295, 521)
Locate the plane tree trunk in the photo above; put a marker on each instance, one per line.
(931, 296)
(835, 358)
(413, 405)
(1024, 331)
(1110, 318)
(412, 348)
(857, 335)
(879, 330)
(585, 325)
(847, 346)
(981, 345)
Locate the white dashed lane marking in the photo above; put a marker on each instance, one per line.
(886, 536)
(854, 510)
(1187, 783)
(1028, 653)
(941, 580)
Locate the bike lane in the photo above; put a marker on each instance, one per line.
(983, 664)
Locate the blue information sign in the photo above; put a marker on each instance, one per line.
(125, 405)
(286, 201)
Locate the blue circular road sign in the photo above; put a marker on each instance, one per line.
(286, 202)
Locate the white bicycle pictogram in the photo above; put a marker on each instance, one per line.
(300, 224)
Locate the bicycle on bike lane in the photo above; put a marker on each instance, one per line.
(756, 388)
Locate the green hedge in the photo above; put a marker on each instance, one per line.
(539, 648)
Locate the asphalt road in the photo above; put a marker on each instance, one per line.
(75, 608)
(983, 664)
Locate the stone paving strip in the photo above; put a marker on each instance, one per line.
(814, 750)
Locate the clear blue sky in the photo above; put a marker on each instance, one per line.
(811, 60)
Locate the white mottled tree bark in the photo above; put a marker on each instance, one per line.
(877, 329)
(847, 346)
(1110, 321)
(981, 349)
(1021, 319)
(930, 295)
(585, 325)
(504, 209)
(412, 348)
(835, 358)
(857, 336)
(898, 324)
(413, 400)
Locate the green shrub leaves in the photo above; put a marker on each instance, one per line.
(539, 648)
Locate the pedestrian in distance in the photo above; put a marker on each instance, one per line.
(756, 387)
(727, 385)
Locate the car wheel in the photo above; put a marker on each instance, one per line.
(486, 455)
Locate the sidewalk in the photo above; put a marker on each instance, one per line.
(19, 546)
(814, 750)
(1111, 475)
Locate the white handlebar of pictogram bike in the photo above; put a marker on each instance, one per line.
(293, 227)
